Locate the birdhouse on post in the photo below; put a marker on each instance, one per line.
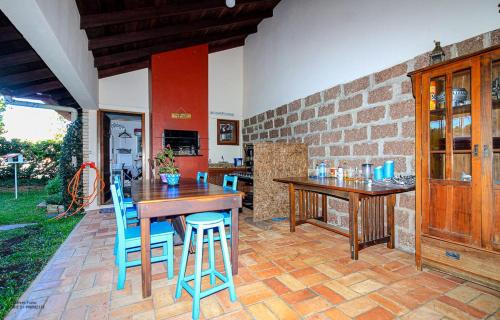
(15, 159)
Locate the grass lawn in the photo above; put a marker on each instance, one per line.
(25, 251)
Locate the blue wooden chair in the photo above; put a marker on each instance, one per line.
(126, 200)
(129, 240)
(204, 222)
(130, 208)
(202, 175)
(233, 180)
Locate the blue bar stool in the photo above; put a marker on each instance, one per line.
(204, 221)
(202, 175)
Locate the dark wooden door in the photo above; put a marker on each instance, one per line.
(104, 136)
(451, 172)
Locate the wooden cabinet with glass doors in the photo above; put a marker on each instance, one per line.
(458, 166)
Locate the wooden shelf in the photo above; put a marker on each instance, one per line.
(438, 112)
(495, 104)
(463, 109)
(457, 110)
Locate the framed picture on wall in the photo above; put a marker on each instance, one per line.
(228, 132)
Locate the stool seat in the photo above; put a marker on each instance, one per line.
(204, 218)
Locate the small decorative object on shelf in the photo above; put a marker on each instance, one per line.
(165, 161)
(378, 173)
(389, 169)
(366, 168)
(437, 55)
(495, 89)
(459, 96)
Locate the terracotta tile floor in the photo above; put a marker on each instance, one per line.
(305, 275)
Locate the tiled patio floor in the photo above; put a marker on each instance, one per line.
(306, 275)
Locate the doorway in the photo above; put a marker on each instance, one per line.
(121, 148)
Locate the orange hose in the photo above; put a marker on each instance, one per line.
(81, 202)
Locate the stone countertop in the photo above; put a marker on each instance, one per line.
(228, 166)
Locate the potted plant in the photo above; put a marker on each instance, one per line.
(165, 161)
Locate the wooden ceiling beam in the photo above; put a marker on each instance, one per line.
(66, 101)
(18, 58)
(9, 33)
(121, 57)
(124, 16)
(225, 45)
(26, 77)
(38, 88)
(108, 72)
(202, 25)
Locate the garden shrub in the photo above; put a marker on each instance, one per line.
(55, 198)
(53, 185)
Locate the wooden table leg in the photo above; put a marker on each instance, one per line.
(324, 207)
(146, 257)
(391, 202)
(234, 240)
(353, 224)
(291, 190)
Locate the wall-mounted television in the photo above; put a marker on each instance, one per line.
(183, 142)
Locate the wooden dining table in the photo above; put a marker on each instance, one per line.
(155, 199)
(372, 202)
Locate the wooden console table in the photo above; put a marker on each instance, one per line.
(374, 203)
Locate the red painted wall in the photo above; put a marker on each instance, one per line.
(179, 83)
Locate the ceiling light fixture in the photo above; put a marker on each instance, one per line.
(230, 3)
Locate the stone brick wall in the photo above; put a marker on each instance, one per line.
(370, 119)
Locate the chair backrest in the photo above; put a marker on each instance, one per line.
(202, 175)
(121, 225)
(119, 188)
(152, 169)
(232, 179)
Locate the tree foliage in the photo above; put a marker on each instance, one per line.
(41, 159)
(2, 109)
(71, 158)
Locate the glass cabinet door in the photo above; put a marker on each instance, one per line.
(495, 118)
(437, 127)
(461, 125)
(451, 112)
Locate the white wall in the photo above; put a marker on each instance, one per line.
(225, 95)
(127, 92)
(52, 28)
(312, 45)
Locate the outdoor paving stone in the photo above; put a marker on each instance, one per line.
(486, 303)
(377, 313)
(15, 226)
(261, 311)
(357, 306)
(298, 296)
(307, 307)
(316, 280)
(336, 314)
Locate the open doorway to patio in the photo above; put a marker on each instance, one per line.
(121, 149)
